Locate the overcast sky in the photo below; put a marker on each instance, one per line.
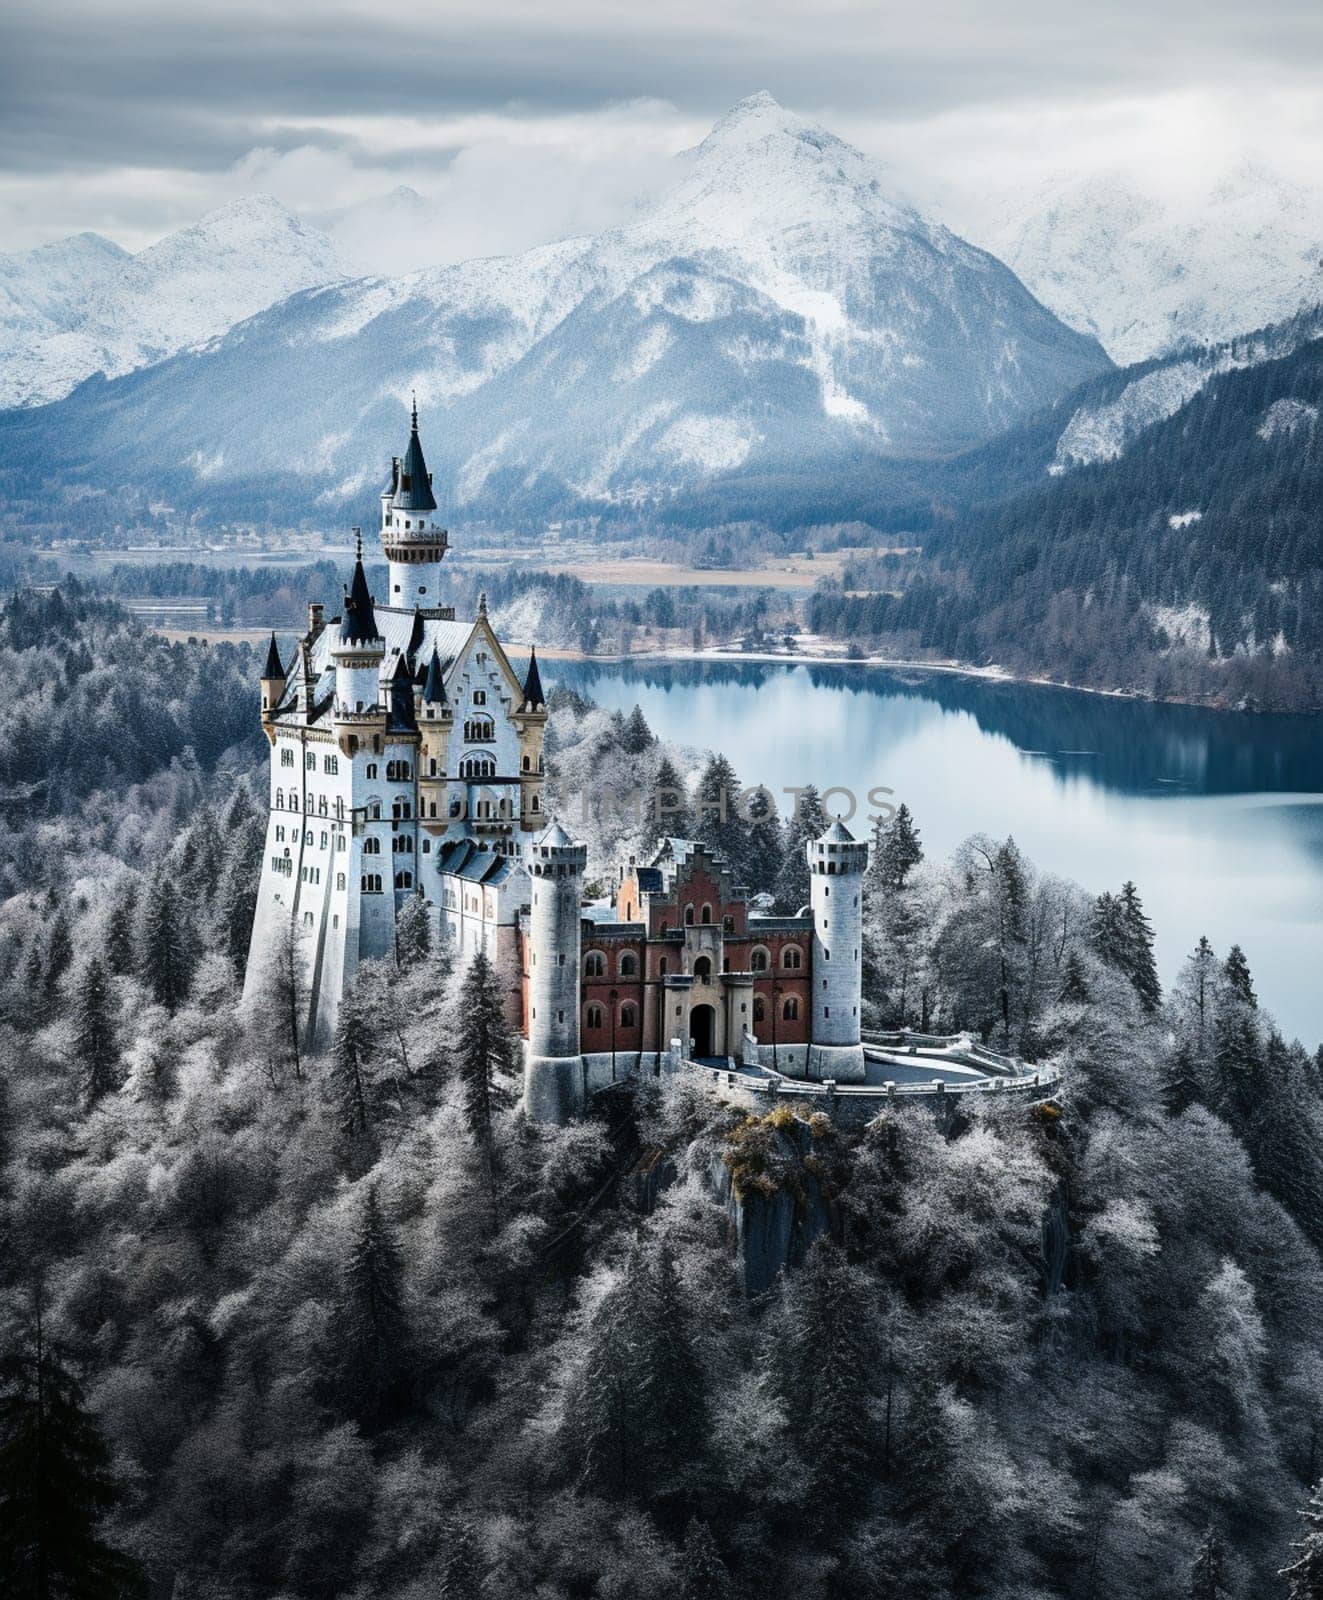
(526, 120)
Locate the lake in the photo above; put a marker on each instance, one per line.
(1217, 816)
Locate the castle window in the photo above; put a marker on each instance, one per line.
(594, 1016)
(478, 730)
(310, 761)
(790, 1009)
(456, 808)
(594, 964)
(398, 772)
(480, 695)
(326, 839)
(728, 924)
(404, 880)
(758, 960)
(431, 768)
(477, 767)
(707, 915)
(791, 959)
(371, 883)
(280, 799)
(339, 880)
(703, 970)
(759, 1009)
(371, 769)
(401, 809)
(537, 804)
(628, 965)
(339, 841)
(372, 847)
(689, 916)
(374, 810)
(340, 806)
(307, 919)
(527, 764)
(402, 844)
(321, 805)
(286, 756)
(280, 834)
(663, 966)
(628, 1015)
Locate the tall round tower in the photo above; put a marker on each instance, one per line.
(413, 543)
(837, 863)
(553, 1065)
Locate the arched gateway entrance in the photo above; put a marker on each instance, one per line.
(703, 1030)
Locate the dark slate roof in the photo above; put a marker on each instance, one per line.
(533, 695)
(273, 668)
(359, 625)
(402, 719)
(434, 689)
(413, 492)
(650, 880)
(415, 639)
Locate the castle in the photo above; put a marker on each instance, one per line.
(406, 764)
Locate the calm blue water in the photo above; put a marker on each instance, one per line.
(1218, 817)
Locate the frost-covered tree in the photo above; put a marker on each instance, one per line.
(96, 1043)
(1304, 1576)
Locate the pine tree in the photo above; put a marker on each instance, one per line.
(1107, 931)
(168, 954)
(484, 1050)
(1195, 995)
(703, 1574)
(808, 822)
(59, 953)
(95, 1041)
(56, 1486)
(1011, 903)
(636, 736)
(1208, 1572)
(666, 814)
(120, 926)
(1074, 985)
(897, 850)
(348, 1076)
(371, 1329)
(413, 932)
(765, 848)
(1141, 968)
(1181, 1085)
(1235, 969)
(717, 822)
(1304, 1577)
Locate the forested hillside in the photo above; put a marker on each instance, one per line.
(1191, 565)
(279, 1324)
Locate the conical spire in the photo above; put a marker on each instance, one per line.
(273, 668)
(533, 695)
(415, 639)
(434, 690)
(402, 718)
(359, 624)
(413, 491)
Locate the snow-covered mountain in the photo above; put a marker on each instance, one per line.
(82, 306)
(773, 312)
(1148, 277)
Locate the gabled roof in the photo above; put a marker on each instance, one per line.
(359, 624)
(416, 633)
(413, 491)
(273, 668)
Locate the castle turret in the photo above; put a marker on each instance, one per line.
(413, 543)
(837, 863)
(273, 683)
(530, 719)
(358, 651)
(553, 1066)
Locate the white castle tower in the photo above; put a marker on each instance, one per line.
(414, 545)
(837, 863)
(553, 1063)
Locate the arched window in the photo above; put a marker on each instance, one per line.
(479, 730)
(707, 914)
(628, 1015)
(402, 844)
(280, 799)
(703, 970)
(790, 1008)
(371, 846)
(404, 880)
(371, 770)
(398, 771)
(728, 924)
(689, 916)
(401, 808)
(759, 1008)
(791, 959)
(663, 967)
(373, 809)
(477, 767)
(594, 1017)
(527, 764)
(339, 880)
(628, 965)
(594, 964)
(371, 883)
(758, 960)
